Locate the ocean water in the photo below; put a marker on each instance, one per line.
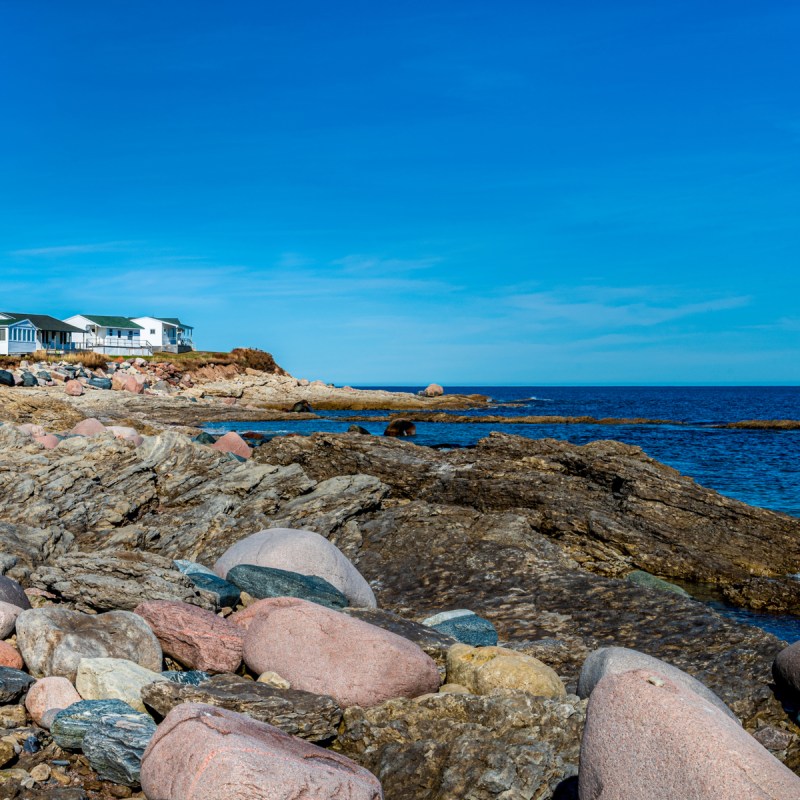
(760, 467)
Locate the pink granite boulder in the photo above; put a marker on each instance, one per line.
(8, 618)
(300, 551)
(433, 390)
(133, 386)
(202, 752)
(326, 652)
(126, 434)
(47, 697)
(647, 737)
(10, 657)
(118, 380)
(73, 388)
(196, 638)
(89, 427)
(231, 442)
(48, 441)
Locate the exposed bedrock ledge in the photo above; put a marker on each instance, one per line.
(609, 505)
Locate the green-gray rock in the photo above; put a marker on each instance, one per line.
(648, 581)
(262, 582)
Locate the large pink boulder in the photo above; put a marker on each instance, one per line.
(10, 657)
(48, 441)
(300, 551)
(433, 390)
(133, 386)
(8, 618)
(73, 388)
(231, 442)
(647, 737)
(202, 752)
(47, 697)
(118, 380)
(326, 652)
(196, 638)
(89, 427)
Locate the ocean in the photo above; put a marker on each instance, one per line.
(760, 467)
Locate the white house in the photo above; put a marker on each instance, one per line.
(25, 333)
(114, 336)
(166, 333)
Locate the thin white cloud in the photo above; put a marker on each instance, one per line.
(71, 249)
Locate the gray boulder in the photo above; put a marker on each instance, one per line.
(615, 660)
(786, 669)
(14, 683)
(53, 640)
(71, 724)
(12, 592)
(116, 745)
(263, 582)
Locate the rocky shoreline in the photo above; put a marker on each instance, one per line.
(384, 619)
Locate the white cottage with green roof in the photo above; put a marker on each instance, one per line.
(112, 335)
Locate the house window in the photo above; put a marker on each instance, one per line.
(2, 334)
(152, 330)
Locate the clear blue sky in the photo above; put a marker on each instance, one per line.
(453, 191)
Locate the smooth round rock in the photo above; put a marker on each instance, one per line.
(614, 660)
(114, 679)
(11, 592)
(786, 667)
(647, 737)
(323, 651)
(89, 427)
(47, 697)
(74, 388)
(194, 637)
(300, 551)
(48, 441)
(231, 442)
(483, 669)
(464, 626)
(10, 657)
(53, 640)
(8, 618)
(264, 582)
(201, 752)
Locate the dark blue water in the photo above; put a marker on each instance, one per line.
(761, 468)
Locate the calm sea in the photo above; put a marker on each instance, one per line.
(759, 467)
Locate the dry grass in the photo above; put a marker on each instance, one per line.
(87, 358)
(242, 357)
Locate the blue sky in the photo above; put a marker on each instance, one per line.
(461, 192)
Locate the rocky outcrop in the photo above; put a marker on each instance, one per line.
(509, 744)
(607, 504)
(315, 717)
(118, 580)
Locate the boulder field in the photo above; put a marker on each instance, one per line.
(490, 620)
